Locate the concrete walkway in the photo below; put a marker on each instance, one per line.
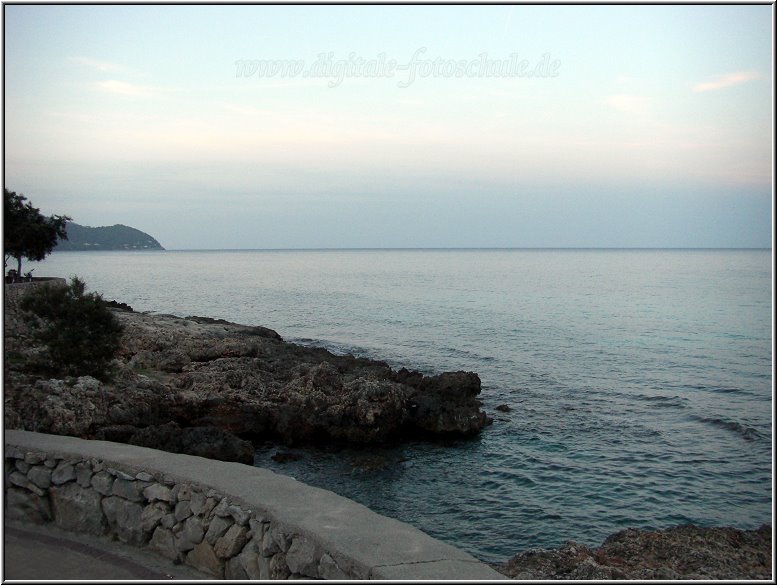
(323, 534)
(34, 552)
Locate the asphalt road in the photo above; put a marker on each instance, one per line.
(47, 553)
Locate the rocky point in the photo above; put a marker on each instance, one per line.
(208, 387)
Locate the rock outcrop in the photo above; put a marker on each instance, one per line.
(682, 552)
(194, 385)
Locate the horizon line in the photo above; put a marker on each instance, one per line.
(432, 248)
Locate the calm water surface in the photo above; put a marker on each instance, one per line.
(639, 381)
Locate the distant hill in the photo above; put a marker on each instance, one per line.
(115, 237)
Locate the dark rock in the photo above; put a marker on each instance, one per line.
(257, 330)
(210, 442)
(285, 457)
(682, 552)
(503, 408)
(173, 361)
(246, 382)
(116, 433)
(446, 403)
(119, 306)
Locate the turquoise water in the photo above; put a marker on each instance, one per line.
(639, 381)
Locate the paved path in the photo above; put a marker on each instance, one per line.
(48, 553)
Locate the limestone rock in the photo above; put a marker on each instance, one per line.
(63, 473)
(163, 542)
(328, 569)
(102, 481)
(19, 479)
(197, 503)
(249, 560)
(25, 506)
(240, 516)
(182, 511)
(22, 466)
(303, 557)
(118, 473)
(77, 509)
(40, 476)
(168, 521)
(682, 552)
(157, 491)
(205, 383)
(190, 535)
(34, 457)
(83, 474)
(182, 492)
(203, 558)
(222, 509)
(264, 567)
(130, 490)
(278, 567)
(152, 515)
(234, 570)
(126, 519)
(218, 527)
(232, 542)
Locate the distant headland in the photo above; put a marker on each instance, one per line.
(115, 237)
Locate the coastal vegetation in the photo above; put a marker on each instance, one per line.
(27, 233)
(78, 333)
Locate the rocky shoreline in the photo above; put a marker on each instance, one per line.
(682, 552)
(209, 387)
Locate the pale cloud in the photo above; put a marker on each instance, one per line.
(627, 103)
(727, 80)
(124, 88)
(96, 64)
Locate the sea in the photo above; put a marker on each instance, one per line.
(635, 385)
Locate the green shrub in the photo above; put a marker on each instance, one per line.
(80, 334)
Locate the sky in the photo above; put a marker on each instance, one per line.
(262, 127)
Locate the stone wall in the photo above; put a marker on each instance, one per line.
(228, 520)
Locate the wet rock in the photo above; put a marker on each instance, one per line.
(446, 403)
